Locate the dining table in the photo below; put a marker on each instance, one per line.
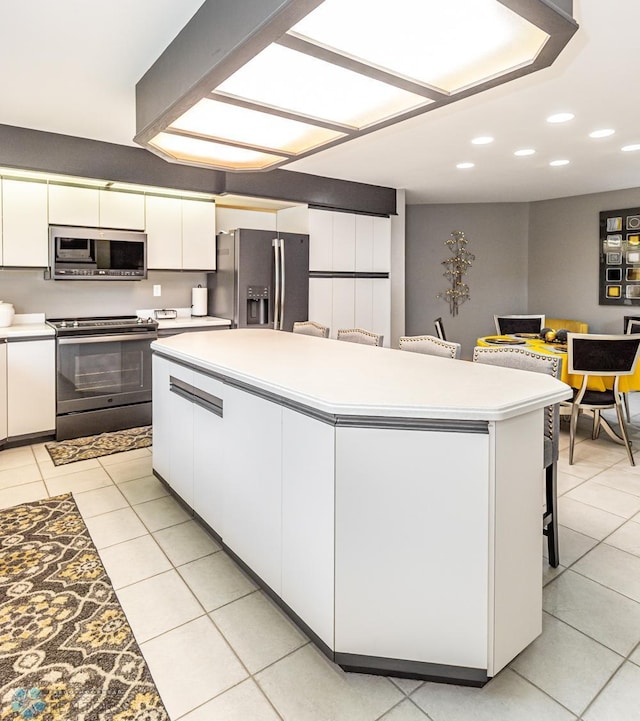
(535, 343)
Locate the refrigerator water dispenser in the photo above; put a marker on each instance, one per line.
(257, 305)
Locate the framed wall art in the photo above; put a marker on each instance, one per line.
(619, 240)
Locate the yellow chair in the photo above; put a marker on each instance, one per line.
(573, 326)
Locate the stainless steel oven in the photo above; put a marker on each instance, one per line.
(103, 380)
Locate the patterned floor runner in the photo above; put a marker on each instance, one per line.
(66, 649)
(80, 449)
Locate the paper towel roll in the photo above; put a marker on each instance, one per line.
(199, 301)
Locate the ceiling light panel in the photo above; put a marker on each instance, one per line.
(297, 83)
(251, 127)
(329, 71)
(204, 152)
(484, 38)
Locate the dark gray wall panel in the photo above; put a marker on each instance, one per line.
(315, 190)
(68, 155)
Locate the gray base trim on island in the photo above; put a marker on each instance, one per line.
(443, 425)
(350, 662)
(440, 673)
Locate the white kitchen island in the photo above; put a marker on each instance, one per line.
(390, 501)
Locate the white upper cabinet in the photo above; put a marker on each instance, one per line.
(373, 244)
(164, 232)
(180, 234)
(320, 240)
(71, 205)
(95, 207)
(345, 242)
(121, 210)
(24, 224)
(198, 235)
(381, 245)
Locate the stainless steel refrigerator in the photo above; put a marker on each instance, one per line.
(261, 279)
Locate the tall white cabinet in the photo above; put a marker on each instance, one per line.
(349, 260)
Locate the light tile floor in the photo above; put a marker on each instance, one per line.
(220, 650)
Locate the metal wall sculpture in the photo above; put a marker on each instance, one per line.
(456, 267)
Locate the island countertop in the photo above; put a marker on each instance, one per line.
(352, 379)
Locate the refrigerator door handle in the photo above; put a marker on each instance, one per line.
(276, 299)
(283, 277)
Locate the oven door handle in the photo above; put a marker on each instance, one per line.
(107, 338)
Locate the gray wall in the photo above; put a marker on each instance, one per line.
(30, 293)
(497, 235)
(563, 258)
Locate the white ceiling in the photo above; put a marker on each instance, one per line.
(71, 66)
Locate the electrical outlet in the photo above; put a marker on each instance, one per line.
(157, 290)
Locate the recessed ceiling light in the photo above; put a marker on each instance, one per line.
(556, 163)
(604, 133)
(482, 140)
(464, 166)
(524, 151)
(560, 117)
(630, 148)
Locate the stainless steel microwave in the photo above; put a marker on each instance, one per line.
(97, 253)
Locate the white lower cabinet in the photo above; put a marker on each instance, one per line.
(209, 460)
(258, 474)
(397, 493)
(181, 412)
(161, 419)
(187, 437)
(31, 400)
(253, 492)
(3, 392)
(308, 502)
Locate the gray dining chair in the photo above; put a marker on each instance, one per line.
(508, 324)
(529, 360)
(633, 326)
(440, 328)
(614, 356)
(359, 335)
(430, 345)
(310, 327)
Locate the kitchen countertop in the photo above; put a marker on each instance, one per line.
(184, 319)
(27, 325)
(349, 378)
(193, 322)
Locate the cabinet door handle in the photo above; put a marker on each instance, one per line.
(192, 394)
